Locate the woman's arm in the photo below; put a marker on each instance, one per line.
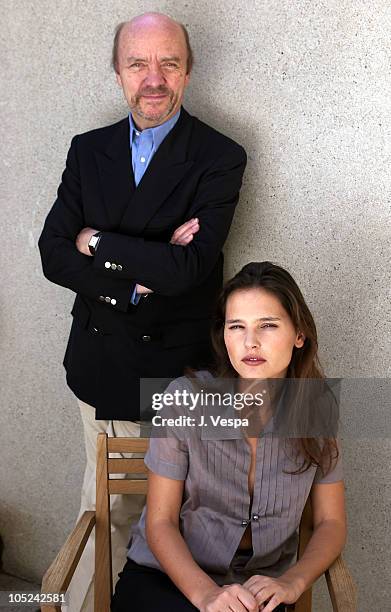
(164, 501)
(329, 535)
(326, 543)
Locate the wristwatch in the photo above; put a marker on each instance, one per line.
(93, 243)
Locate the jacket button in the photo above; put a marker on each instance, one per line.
(119, 267)
(113, 266)
(101, 298)
(95, 330)
(255, 517)
(107, 264)
(244, 523)
(113, 302)
(108, 299)
(146, 338)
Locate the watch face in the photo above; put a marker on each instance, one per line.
(93, 241)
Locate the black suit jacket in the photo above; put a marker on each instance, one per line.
(196, 172)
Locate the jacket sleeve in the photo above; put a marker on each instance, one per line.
(170, 269)
(62, 263)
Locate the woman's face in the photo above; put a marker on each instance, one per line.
(259, 334)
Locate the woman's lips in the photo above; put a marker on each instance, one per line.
(253, 361)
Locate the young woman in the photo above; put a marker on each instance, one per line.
(219, 531)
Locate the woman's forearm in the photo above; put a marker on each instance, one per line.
(170, 549)
(323, 548)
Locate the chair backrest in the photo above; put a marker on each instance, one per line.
(136, 482)
(106, 486)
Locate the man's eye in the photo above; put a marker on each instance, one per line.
(268, 325)
(136, 65)
(170, 65)
(235, 327)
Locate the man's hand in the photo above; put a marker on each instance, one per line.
(143, 290)
(181, 237)
(270, 592)
(83, 239)
(185, 233)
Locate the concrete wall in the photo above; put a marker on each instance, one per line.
(305, 87)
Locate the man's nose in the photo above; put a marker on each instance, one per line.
(155, 76)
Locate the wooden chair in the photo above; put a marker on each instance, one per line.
(57, 578)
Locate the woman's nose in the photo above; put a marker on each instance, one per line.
(251, 341)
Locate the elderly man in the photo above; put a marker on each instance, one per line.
(142, 213)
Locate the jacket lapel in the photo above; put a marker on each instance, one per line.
(116, 174)
(166, 169)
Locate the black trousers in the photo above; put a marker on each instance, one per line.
(144, 589)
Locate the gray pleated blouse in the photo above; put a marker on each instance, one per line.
(216, 505)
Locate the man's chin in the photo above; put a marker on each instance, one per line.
(154, 115)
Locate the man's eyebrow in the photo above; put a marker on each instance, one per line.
(132, 58)
(174, 58)
(260, 319)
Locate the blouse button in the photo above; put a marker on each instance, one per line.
(244, 523)
(255, 517)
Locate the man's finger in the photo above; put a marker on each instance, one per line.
(182, 237)
(184, 240)
(187, 224)
(184, 229)
(142, 289)
(177, 235)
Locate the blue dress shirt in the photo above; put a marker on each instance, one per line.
(144, 144)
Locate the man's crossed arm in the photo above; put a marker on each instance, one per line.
(181, 237)
(165, 267)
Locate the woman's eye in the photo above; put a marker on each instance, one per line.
(264, 326)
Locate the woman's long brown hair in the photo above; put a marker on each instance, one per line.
(304, 363)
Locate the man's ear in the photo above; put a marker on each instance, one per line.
(119, 80)
(300, 339)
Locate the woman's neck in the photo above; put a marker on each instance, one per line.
(262, 397)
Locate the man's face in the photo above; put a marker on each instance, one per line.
(152, 58)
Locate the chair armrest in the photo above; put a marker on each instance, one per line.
(342, 590)
(60, 572)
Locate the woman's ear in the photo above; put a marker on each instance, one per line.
(300, 338)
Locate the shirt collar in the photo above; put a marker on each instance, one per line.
(158, 133)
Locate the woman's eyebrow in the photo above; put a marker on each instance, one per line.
(260, 319)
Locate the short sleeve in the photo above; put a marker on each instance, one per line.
(168, 457)
(336, 472)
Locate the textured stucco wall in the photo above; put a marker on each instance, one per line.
(305, 87)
